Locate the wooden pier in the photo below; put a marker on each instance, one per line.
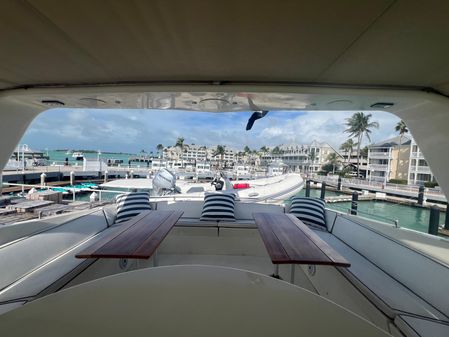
(348, 198)
(14, 189)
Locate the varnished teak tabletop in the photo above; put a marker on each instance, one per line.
(137, 238)
(289, 241)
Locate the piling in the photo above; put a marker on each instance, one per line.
(72, 178)
(421, 195)
(93, 197)
(43, 176)
(131, 174)
(434, 220)
(323, 190)
(446, 221)
(354, 203)
(339, 184)
(106, 176)
(308, 188)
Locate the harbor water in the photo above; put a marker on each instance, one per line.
(412, 217)
(60, 156)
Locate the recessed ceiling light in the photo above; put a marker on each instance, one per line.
(381, 105)
(52, 102)
(89, 101)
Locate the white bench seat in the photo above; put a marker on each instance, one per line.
(387, 294)
(243, 213)
(41, 263)
(419, 327)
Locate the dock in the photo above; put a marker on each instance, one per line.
(13, 189)
(348, 198)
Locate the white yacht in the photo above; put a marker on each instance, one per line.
(203, 171)
(78, 155)
(242, 172)
(212, 278)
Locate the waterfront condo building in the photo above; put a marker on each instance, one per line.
(398, 158)
(300, 157)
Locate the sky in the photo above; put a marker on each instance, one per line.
(135, 130)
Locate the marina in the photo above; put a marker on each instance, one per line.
(287, 170)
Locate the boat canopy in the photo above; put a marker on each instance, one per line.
(229, 56)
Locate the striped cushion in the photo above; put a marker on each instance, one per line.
(309, 210)
(218, 207)
(131, 204)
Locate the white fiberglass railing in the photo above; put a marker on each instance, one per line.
(360, 183)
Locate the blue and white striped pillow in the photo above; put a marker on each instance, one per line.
(131, 204)
(218, 207)
(309, 210)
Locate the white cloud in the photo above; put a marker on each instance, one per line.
(132, 130)
(324, 127)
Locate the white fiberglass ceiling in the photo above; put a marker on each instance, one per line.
(360, 43)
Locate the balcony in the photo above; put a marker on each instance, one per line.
(378, 167)
(379, 155)
(417, 155)
(420, 169)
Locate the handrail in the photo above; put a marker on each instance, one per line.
(348, 211)
(386, 187)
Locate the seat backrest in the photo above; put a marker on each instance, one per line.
(242, 211)
(191, 209)
(245, 210)
(422, 274)
(11, 232)
(331, 216)
(24, 255)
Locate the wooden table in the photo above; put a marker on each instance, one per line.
(137, 238)
(289, 241)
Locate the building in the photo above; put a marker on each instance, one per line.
(389, 159)
(300, 157)
(419, 170)
(193, 153)
(350, 159)
(172, 153)
(228, 159)
(397, 158)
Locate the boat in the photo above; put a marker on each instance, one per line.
(276, 168)
(242, 172)
(24, 157)
(69, 152)
(78, 155)
(207, 278)
(274, 189)
(203, 171)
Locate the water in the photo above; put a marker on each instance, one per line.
(411, 217)
(60, 156)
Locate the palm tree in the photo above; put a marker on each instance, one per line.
(276, 150)
(348, 148)
(264, 149)
(247, 149)
(402, 129)
(220, 150)
(312, 157)
(334, 160)
(180, 142)
(159, 148)
(358, 126)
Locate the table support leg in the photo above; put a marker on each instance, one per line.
(276, 271)
(292, 274)
(155, 259)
